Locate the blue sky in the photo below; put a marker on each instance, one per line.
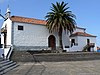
(87, 11)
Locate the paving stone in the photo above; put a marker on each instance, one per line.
(91, 67)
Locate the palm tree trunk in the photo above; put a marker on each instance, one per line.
(60, 39)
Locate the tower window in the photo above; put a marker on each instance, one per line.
(20, 27)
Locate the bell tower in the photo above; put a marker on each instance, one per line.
(7, 15)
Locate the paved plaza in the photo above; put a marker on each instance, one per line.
(91, 67)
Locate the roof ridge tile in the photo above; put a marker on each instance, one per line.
(27, 20)
(81, 34)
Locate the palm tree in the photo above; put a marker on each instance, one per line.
(60, 19)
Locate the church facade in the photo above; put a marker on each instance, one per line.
(31, 34)
(28, 33)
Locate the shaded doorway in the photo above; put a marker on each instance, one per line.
(88, 43)
(52, 42)
(5, 39)
(4, 36)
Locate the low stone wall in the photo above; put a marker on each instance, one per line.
(24, 56)
(32, 48)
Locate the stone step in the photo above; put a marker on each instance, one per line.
(8, 69)
(7, 65)
(3, 61)
(4, 65)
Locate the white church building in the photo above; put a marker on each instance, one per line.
(22, 33)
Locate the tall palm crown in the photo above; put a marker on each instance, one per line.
(60, 19)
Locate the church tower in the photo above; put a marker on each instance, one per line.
(7, 15)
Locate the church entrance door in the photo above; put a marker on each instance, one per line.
(52, 42)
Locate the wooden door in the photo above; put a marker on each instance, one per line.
(52, 42)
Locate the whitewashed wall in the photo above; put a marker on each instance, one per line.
(65, 39)
(9, 31)
(74, 47)
(32, 35)
(79, 30)
(8, 24)
(82, 41)
(37, 35)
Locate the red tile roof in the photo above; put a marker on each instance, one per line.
(82, 34)
(27, 20)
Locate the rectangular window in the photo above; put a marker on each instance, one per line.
(88, 41)
(20, 27)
